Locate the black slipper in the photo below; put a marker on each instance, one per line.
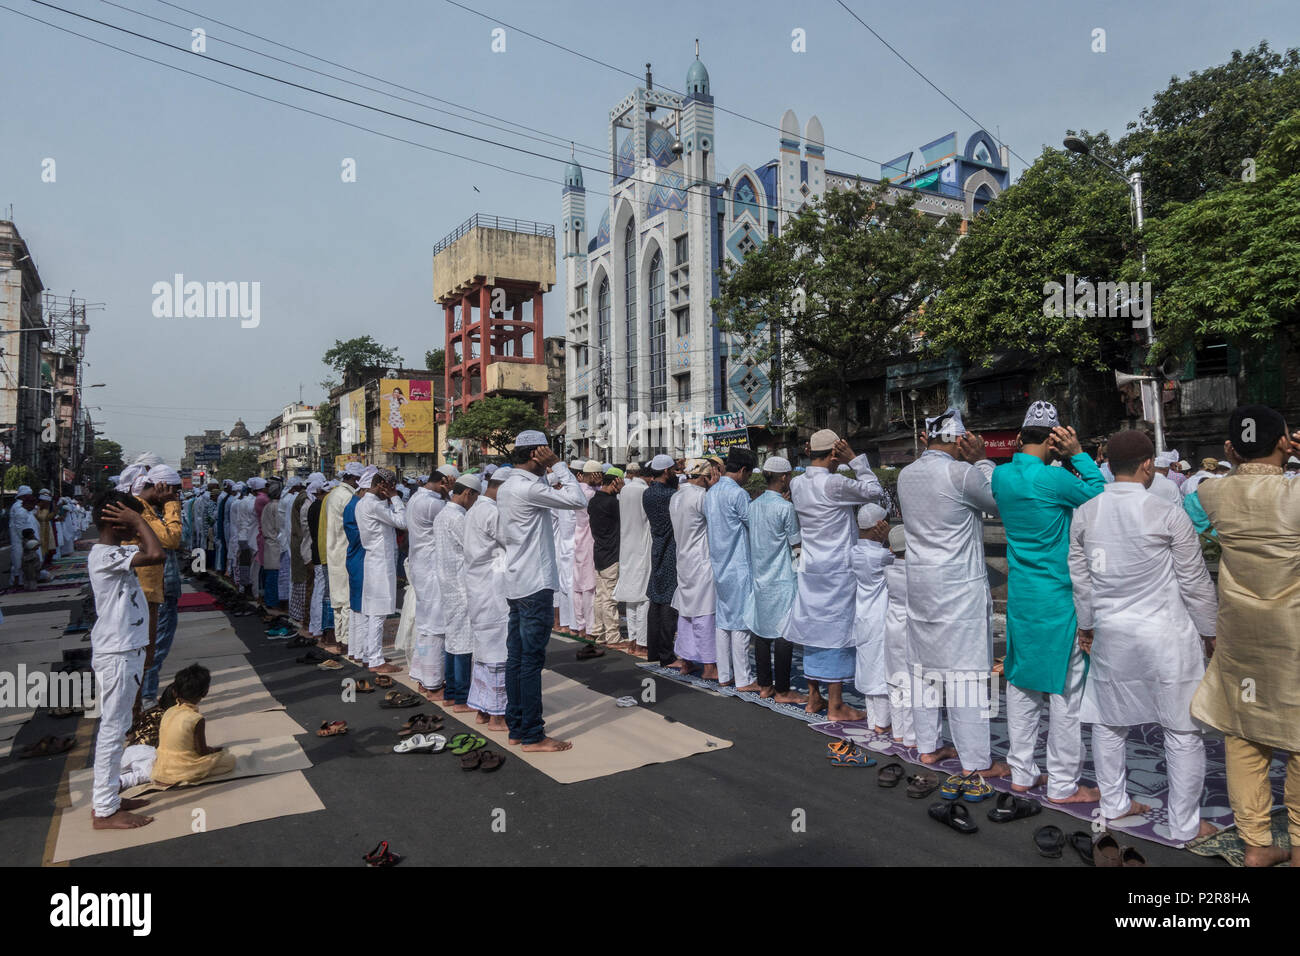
(889, 775)
(1011, 807)
(922, 785)
(1082, 843)
(589, 651)
(1050, 841)
(955, 815)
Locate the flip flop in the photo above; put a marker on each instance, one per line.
(856, 759)
(364, 686)
(589, 651)
(1131, 857)
(1105, 851)
(625, 702)
(462, 744)
(1011, 807)
(420, 724)
(332, 728)
(396, 699)
(329, 666)
(471, 761)
(491, 761)
(954, 815)
(922, 785)
(1082, 843)
(1050, 841)
(382, 856)
(422, 744)
(383, 680)
(889, 775)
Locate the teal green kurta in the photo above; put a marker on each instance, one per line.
(1036, 502)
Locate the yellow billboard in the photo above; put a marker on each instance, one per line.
(406, 416)
(352, 419)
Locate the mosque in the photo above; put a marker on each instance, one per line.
(646, 363)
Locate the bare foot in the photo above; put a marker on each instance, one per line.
(133, 804)
(1209, 829)
(790, 697)
(999, 769)
(766, 692)
(119, 821)
(882, 730)
(439, 696)
(748, 689)
(460, 708)
(844, 712)
(710, 672)
(386, 668)
(1081, 795)
(482, 718)
(943, 753)
(1040, 782)
(548, 745)
(512, 742)
(815, 702)
(641, 652)
(497, 722)
(1135, 809)
(680, 665)
(1267, 855)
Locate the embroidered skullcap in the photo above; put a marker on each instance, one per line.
(662, 462)
(823, 440)
(947, 427)
(870, 515)
(469, 482)
(776, 465)
(527, 438)
(1041, 415)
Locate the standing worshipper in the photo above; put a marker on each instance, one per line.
(450, 561)
(821, 618)
(428, 658)
(1257, 635)
(161, 495)
(696, 600)
(1146, 609)
(356, 565)
(1162, 486)
(943, 496)
(871, 558)
(334, 549)
(489, 612)
(299, 560)
(269, 552)
(603, 513)
(219, 525)
(523, 502)
(291, 493)
(1207, 470)
(633, 561)
(726, 515)
(205, 515)
(234, 510)
(320, 616)
(773, 534)
(897, 670)
(20, 519)
(379, 516)
(564, 526)
(661, 617)
(1045, 668)
(584, 559)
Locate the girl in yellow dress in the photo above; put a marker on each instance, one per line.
(183, 754)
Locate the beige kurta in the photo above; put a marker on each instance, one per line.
(1251, 688)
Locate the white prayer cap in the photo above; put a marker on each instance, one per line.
(316, 476)
(1184, 465)
(470, 482)
(256, 484)
(823, 440)
(500, 474)
(1293, 460)
(870, 515)
(576, 464)
(1225, 464)
(332, 484)
(240, 486)
(696, 467)
(162, 475)
(633, 466)
(489, 470)
(947, 427)
(315, 486)
(149, 459)
(45, 495)
(294, 481)
(593, 467)
(1040, 415)
(897, 538)
(530, 437)
(354, 468)
(606, 468)
(449, 471)
(1165, 459)
(776, 465)
(227, 483)
(367, 476)
(662, 462)
(126, 480)
(23, 491)
(112, 480)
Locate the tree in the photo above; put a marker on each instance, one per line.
(839, 284)
(238, 465)
(327, 417)
(18, 475)
(1200, 133)
(1067, 216)
(435, 360)
(494, 422)
(107, 453)
(352, 356)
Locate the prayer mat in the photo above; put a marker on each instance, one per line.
(197, 601)
(1227, 843)
(1146, 773)
(236, 688)
(750, 697)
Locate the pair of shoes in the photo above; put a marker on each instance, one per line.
(279, 633)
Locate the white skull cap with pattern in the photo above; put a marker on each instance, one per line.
(897, 538)
(449, 471)
(870, 515)
(662, 462)
(776, 465)
(1041, 415)
(354, 468)
(823, 440)
(256, 484)
(471, 482)
(947, 427)
(530, 437)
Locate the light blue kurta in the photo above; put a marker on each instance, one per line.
(1036, 503)
(726, 513)
(773, 531)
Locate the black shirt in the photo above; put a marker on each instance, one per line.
(602, 510)
(313, 526)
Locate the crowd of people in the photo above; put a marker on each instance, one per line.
(41, 528)
(1111, 614)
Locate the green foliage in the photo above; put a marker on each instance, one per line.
(494, 422)
(350, 357)
(327, 415)
(435, 360)
(108, 453)
(19, 475)
(238, 465)
(839, 283)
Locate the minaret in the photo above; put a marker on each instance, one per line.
(573, 213)
(573, 210)
(699, 171)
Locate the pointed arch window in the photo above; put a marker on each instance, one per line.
(629, 304)
(658, 337)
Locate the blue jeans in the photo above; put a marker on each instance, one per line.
(271, 586)
(163, 645)
(530, 632)
(457, 669)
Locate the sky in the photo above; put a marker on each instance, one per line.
(157, 172)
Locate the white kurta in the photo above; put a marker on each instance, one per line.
(824, 602)
(286, 514)
(246, 522)
(377, 524)
(949, 606)
(896, 669)
(1162, 487)
(421, 566)
(695, 596)
(406, 626)
(19, 519)
(485, 561)
(633, 545)
(1141, 585)
(871, 607)
(335, 544)
(449, 560)
(564, 525)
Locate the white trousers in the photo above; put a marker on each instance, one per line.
(733, 656)
(564, 603)
(900, 714)
(584, 610)
(320, 585)
(427, 663)
(1184, 763)
(968, 720)
(342, 618)
(1064, 732)
(357, 629)
(636, 622)
(878, 710)
(373, 653)
(137, 765)
(118, 676)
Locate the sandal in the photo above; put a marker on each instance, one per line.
(1050, 841)
(856, 759)
(471, 761)
(1011, 807)
(382, 856)
(491, 760)
(954, 786)
(589, 651)
(48, 747)
(976, 789)
(330, 665)
(462, 744)
(332, 728)
(840, 748)
(1082, 843)
(420, 724)
(889, 775)
(396, 699)
(300, 641)
(422, 744)
(364, 686)
(954, 815)
(922, 785)
(383, 680)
